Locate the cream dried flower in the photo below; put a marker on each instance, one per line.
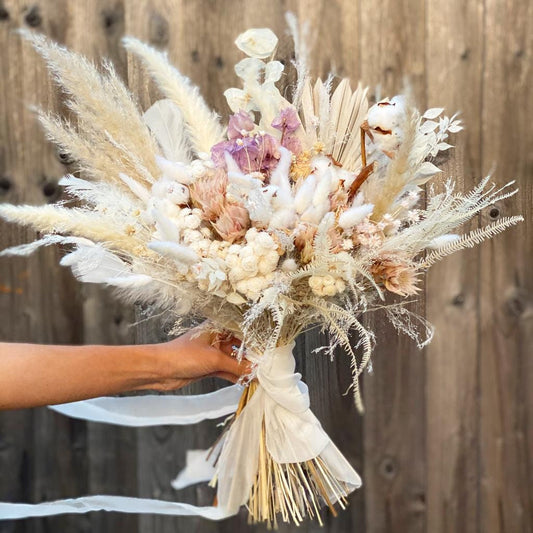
(257, 42)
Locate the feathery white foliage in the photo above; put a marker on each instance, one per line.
(471, 239)
(269, 227)
(202, 124)
(165, 121)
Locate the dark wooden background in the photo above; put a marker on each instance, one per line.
(445, 445)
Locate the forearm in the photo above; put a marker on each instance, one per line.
(33, 375)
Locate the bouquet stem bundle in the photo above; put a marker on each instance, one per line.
(293, 490)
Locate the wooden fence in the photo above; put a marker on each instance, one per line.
(446, 442)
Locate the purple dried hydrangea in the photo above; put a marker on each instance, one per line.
(240, 124)
(252, 153)
(288, 123)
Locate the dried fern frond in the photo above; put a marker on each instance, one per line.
(471, 239)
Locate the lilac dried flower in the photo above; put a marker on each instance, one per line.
(288, 122)
(238, 123)
(258, 153)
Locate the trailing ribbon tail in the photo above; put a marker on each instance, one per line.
(121, 504)
(154, 410)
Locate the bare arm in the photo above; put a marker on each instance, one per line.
(33, 375)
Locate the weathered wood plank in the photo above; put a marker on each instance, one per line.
(112, 451)
(452, 287)
(48, 453)
(392, 46)
(506, 298)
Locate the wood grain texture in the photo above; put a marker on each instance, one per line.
(453, 79)
(445, 445)
(506, 285)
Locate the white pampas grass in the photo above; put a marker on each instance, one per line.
(78, 222)
(202, 124)
(104, 108)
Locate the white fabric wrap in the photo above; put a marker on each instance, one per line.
(293, 434)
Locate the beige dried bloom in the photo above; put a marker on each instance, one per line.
(208, 193)
(397, 274)
(232, 223)
(303, 241)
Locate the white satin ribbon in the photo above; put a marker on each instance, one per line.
(293, 434)
(152, 410)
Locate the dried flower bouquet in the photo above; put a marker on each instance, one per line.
(298, 213)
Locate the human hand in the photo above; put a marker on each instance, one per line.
(195, 356)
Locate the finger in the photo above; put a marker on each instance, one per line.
(229, 346)
(233, 366)
(227, 376)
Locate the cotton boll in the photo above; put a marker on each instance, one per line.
(190, 236)
(197, 169)
(387, 115)
(192, 221)
(385, 120)
(249, 265)
(174, 192)
(177, 193)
